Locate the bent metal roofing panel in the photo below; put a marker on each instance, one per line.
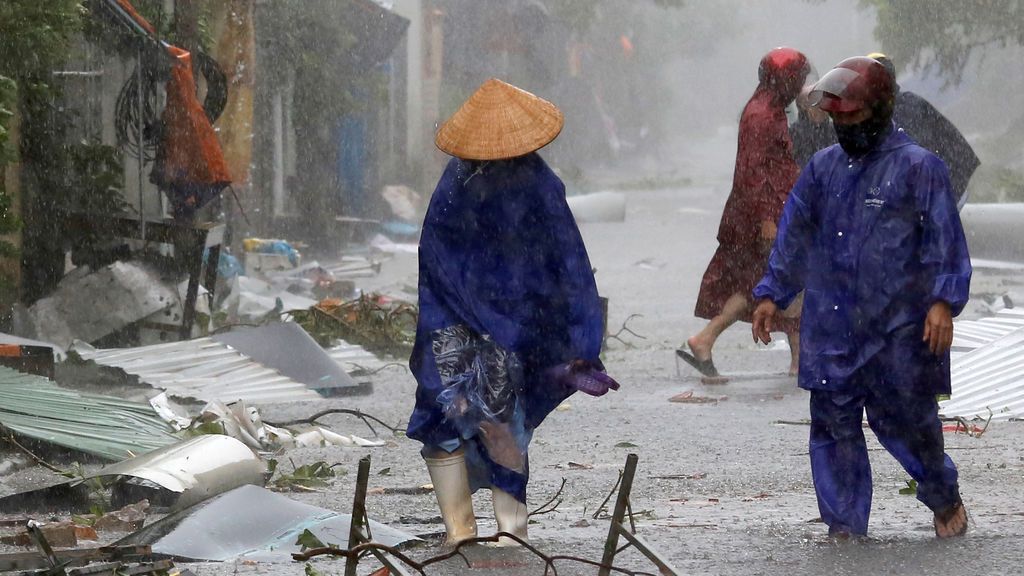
(108, 427)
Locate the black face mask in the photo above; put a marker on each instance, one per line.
(859, 139)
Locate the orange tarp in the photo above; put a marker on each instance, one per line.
(189, 151)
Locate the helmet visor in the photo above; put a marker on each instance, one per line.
(838, 91)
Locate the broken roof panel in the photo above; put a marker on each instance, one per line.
(203, 369)
(117, 295)
(272, 524)
(355, 359)
(178, 475)
(989, 381)
(286, 347)
(970, 334)
(111, 428)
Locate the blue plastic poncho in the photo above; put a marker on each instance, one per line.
(500, 254)
(874, 241)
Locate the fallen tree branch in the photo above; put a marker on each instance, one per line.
(597, 513)
(543, 508)
(625, 328)
(369, 372)
(456, 552)
(358, 414)
(969, 429)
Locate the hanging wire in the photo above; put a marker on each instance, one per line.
(216, 85)
(127, 117)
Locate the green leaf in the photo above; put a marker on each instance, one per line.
(384, 472)
(626, 445)
(310, 571)
(308, 540)
(911, 488)
(83, 520)
(207, 428)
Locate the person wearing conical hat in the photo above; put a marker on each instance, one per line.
(510, 323)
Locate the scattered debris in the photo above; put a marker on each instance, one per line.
(376, 322)
(697, 476)
(404, 202)
(253, 301)
(625, 328)
(185, 473)
(359, 362)
(552, 504)
(70, 559)
(272, 523)
(118, 295)
(203, 369)
(988, 382)
(30, 356)
(598, 207)
(911, 489)
(413, 491)
(175, 476)
(366, 418)
(382, 243)
(971, 334)
(305, 478)
(287, 348)
(127, 519)
(961, 426)
(689, 398)
(110, 428)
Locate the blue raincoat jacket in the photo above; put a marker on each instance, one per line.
(501, 253)
(874, 242)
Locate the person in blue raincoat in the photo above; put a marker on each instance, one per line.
(510, 322)
(872, 235)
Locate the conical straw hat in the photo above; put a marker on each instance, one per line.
(499, 121)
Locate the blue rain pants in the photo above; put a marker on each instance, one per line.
(905, 422)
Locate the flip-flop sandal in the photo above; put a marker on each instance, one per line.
(948, 514)
(705, 367)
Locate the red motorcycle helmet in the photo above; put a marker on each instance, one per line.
(854, 84)
(784, 70)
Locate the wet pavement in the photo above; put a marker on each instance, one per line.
(723, 486)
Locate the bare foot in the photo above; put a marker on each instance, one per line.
(701, 349)
(951, 522)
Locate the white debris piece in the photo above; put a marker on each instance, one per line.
(89, 306)
(989, 381)
(598, 207)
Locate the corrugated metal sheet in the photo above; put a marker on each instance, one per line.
(355, 360)
(203, 369)
(989, 380)
(107, 427)
(970, 334)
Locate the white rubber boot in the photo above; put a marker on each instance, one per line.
(451, 487)
(511, 516)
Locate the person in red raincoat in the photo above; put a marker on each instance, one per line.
(765, 172)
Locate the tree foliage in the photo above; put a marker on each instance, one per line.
(59, 176)
(942, 36)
